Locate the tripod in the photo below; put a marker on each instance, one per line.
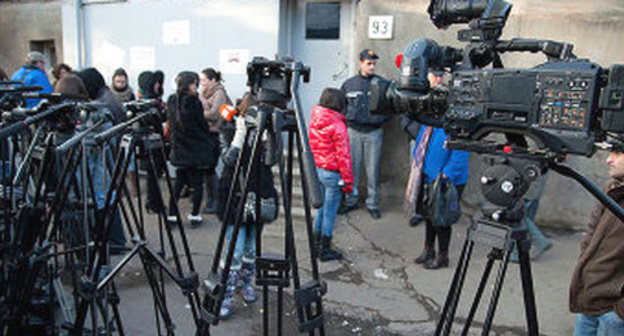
(272, 269)
(503, 184)
(97, 285)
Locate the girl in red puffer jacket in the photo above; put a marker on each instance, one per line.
(329, 143)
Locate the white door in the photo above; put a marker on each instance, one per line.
(319, 34)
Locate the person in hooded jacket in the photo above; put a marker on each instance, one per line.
(120, 86)
(109, 108)
(329, 142)
(150, 89)
(191, 144)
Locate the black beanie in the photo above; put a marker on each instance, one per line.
(93, 81)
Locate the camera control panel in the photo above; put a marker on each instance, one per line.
(565, 99)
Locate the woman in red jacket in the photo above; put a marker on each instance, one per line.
(329, 143)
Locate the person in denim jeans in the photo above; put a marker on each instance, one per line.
(598, 279)
(242, 269)
(365, 132)
(329, 143)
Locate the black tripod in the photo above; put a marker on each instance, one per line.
(97, 286)
(503, 184)
(272, 270)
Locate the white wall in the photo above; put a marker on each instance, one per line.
(112, 30)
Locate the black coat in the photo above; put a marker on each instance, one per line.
(191, 144)
(358, 110)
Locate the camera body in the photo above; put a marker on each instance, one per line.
(565, 105)
(270, 81)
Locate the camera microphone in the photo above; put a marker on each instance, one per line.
(228, 112)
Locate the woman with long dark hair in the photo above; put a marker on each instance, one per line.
(212, 94)
(191, 144)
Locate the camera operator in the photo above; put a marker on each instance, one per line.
(232, 135)
(149, 88)
(598, 279)
(111, 110)
(32, 73)
(430, 159)
(365, 133)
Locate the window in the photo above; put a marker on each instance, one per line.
(323, 20)
(47, 48)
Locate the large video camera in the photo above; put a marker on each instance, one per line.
(565, 105)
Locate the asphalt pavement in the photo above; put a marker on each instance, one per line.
(376, 290)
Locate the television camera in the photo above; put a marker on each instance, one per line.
(565, 105)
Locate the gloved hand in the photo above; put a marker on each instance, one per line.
(239, 135)
(347, 188)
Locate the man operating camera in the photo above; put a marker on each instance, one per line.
(598, 279)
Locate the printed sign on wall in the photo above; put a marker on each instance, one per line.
(233, 61)
(142, 58)
(380, 27)
(176, 32)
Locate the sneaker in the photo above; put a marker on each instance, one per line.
(539, 248)
(344, 209)
(375, 213)
(196, 220)
(172, 220)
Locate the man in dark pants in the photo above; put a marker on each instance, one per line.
(365, 133)
(598, 279)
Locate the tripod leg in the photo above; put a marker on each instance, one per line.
(527, 286)
(448, 312)
(500, 277)
(479, 293)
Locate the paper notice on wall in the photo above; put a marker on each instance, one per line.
(142, 58)
(176, 32)
(233, 61)
(109, 55)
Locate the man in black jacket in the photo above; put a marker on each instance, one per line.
(365, 132)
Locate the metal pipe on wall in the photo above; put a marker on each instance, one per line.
(79, 33)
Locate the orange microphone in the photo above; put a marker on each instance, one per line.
(227, 112)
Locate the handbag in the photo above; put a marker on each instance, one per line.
(443, 202)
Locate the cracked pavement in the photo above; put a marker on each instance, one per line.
(377, 289)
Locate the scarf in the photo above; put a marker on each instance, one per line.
(415, 178)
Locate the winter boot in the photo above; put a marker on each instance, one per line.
(247, 289)
(427, 254)
(327, 253)
(227, 306)
(440, 261)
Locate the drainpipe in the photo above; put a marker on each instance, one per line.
(79, 33)
(354, 36)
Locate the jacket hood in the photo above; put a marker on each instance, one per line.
(322, 116)
(93, 81)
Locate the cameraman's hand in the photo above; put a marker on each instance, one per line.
(239, 135)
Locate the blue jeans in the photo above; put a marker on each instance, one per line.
(366, 148)
(607, 324)
(326, 215)
(245, 249)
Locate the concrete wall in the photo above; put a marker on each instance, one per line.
(594, 27)
(113, 30)
(18, 30)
